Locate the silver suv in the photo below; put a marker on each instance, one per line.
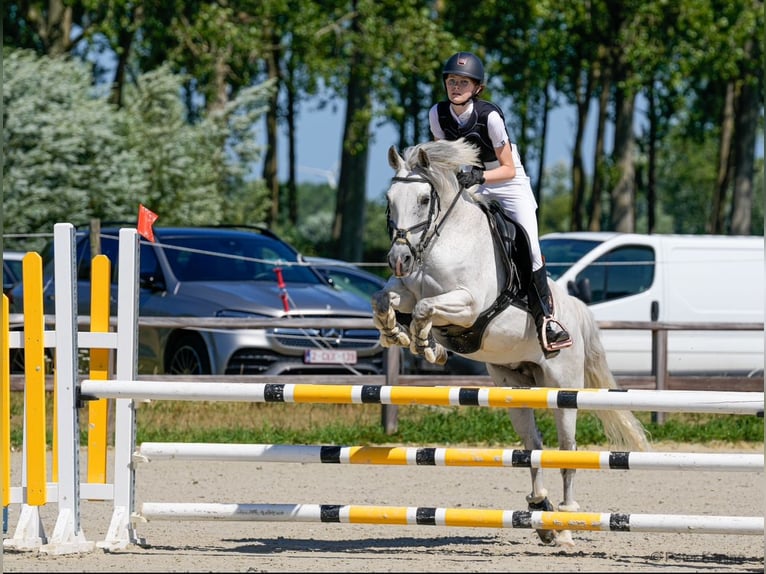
(231, 272)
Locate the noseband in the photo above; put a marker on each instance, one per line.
(399, 235)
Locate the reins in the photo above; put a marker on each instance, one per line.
(399, 235)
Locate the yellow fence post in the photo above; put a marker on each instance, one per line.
(34, 377)
(99, 369)
(5, 412)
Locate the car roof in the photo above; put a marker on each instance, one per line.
(194, 230)
(202, 231)
(14, 255)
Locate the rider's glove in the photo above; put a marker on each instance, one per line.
(470, 178)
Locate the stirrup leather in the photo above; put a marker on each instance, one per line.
(553, 345)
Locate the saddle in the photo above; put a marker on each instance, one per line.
(513, 243)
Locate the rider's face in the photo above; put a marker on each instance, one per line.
(459, 88)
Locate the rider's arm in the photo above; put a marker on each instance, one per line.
(500, 140)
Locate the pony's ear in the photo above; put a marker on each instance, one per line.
(395, 160)
(423, 159)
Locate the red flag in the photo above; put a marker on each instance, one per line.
(146, 218)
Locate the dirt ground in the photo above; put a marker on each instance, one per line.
(309, 547)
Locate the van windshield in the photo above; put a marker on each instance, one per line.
(560, 254)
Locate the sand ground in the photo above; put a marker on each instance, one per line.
(309, 547)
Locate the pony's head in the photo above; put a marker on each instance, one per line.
(425, 179)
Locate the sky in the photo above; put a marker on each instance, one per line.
(319, 147)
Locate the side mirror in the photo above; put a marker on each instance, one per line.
(151, 281)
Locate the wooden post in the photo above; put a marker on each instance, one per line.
(659, 365)
(390, 413)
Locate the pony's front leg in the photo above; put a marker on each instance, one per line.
(423, 343)
(392, 333)
(451, 308)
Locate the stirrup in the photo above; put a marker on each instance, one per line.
(553, 346)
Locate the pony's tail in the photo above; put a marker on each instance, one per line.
(621, 427)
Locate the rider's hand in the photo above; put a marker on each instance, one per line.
(470, 178)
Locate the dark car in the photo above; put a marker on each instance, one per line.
(346, 276)
(231, 272)
(12, 267)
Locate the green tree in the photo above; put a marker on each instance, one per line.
(64, 157)
(70, 155)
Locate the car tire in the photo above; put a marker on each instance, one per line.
(187, 355)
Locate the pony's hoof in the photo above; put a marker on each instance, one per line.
(564, 540)
(546, 536)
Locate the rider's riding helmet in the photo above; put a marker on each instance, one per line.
(465, 64)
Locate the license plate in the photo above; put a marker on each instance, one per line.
(330, 357)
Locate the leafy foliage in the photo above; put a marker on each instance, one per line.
(71, 156)
(64, 157)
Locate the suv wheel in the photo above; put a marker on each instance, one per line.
(187, 355)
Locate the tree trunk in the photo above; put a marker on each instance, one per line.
(541, 169)
(578, 171)
(723, 178)
(125, 40)
(599, 163)
(623, 193)
(651, 177)
(57, 30)
(348, 226)
(744, 159)
(292, 105)
(270, 161)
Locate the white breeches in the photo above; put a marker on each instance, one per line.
(519, 203)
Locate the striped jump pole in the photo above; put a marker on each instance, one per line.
(431, 456)
(457, 517)
(721, 402)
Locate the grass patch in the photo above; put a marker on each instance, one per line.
(237, 422)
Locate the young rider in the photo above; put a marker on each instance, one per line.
(503, 178)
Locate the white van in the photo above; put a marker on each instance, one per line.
(671, 279)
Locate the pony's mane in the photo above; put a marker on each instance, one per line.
(443, 155)
(444, 159)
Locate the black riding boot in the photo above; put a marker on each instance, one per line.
(550, 332)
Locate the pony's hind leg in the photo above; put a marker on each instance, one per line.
(566, 421)
(523, 421)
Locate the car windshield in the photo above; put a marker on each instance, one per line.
(561, 254)
(233, 258)
(14, 268)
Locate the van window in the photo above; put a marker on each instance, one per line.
(622, 272)
(560, 254)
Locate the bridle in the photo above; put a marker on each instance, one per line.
(399, 235)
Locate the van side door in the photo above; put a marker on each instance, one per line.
(624, 285)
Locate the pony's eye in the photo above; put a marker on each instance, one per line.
(425, 199)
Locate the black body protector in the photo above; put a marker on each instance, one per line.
(475, 130)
